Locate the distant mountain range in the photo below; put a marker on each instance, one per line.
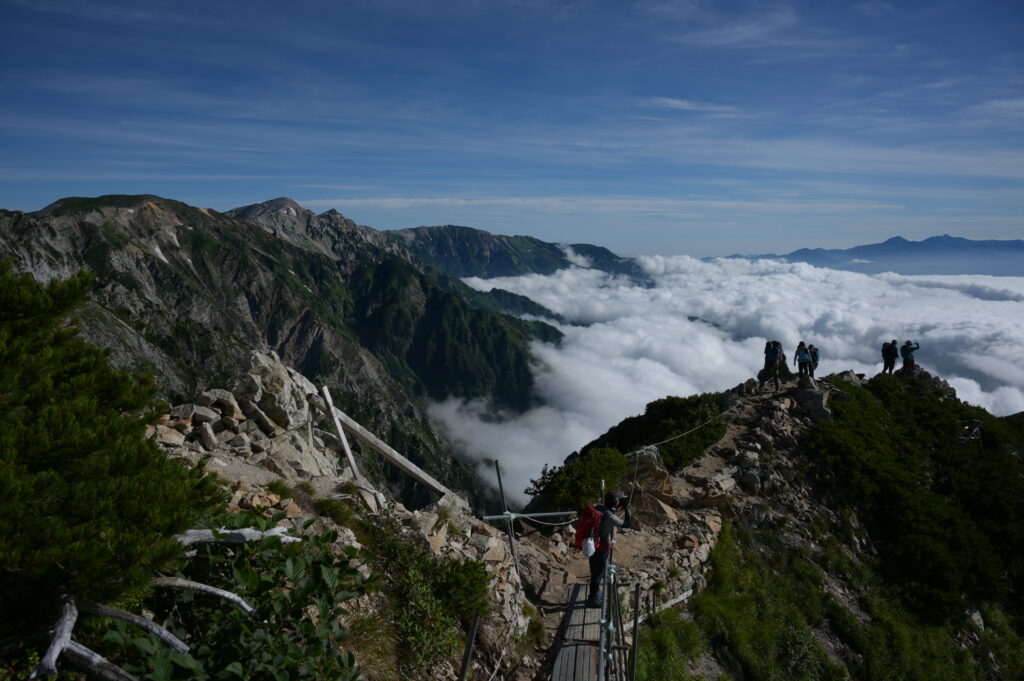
(936, 255)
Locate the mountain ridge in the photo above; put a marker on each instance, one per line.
(186, 292)
(942, 254)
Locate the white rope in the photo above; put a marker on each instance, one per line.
(541, 522)
(693, 430)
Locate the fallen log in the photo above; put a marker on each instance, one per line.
(141, 622)
(178, 583)
(61, 638)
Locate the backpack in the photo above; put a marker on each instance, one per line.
(588, 526)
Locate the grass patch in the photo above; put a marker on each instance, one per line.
(758, 610)
(667, 643)
(337, 510)
(280, 488)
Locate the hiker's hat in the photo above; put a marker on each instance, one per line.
(612, 499)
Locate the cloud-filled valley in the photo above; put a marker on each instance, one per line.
(702, 326)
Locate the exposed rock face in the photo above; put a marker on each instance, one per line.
(467, 252)
(185, 293)
(274, 432)
(262, 430)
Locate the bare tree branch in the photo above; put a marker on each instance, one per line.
(93, 663)
(241, 536)
(176, 582)
(141, 622)
(61, 638)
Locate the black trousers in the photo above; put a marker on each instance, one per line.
(598, 562)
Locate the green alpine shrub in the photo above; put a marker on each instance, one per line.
(88, 504)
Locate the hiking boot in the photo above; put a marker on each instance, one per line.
(595, 602)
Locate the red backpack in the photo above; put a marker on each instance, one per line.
(589, 525)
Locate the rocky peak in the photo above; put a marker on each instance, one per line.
(329, 233)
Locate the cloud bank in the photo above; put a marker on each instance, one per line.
(702, 327)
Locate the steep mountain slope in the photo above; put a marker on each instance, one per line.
(186, 292)
(936, 255)
(467, 252)
(869, 530)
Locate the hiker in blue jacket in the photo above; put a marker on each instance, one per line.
(614, 501)
(802, 358)
(907, 353)
(814, 358)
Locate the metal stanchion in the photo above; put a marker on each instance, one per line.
(509, 516)
(467, 656)
(636, 630)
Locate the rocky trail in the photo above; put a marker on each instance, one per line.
(266, 430)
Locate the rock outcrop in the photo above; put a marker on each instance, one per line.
(264, 429)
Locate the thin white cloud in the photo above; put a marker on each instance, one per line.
(635, 344)
(765, 29)
(996, 110)
(685, 105)
(605, 203)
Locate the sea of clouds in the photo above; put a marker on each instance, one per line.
(702, 326)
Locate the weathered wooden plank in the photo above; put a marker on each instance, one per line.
(390, 454)
(341, 432)
(576, 653)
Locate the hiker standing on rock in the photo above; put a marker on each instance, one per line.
(602, 531)
(772, 359)
(889, 354)
(802, 358)
(814, 359)
(907, 353)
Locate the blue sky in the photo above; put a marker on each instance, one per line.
(660, 126)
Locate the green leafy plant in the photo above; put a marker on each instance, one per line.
(430, 596)
(296, 631)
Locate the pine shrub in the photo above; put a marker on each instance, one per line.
(88, 504)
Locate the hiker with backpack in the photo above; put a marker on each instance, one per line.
(772, 358)
(907, 353)
(814, 358)
(802, 358)
(889, 354)
(596, 528)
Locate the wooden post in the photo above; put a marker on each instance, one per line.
(379, 446)
(341, 434)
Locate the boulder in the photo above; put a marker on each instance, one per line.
(248, 387)
(850, 377)
(169, 436)
(651, 511)
(223, 400)
(813, 403)
(182, 411)
(205, 434)
(201, 414)
(261, 419)
(301, 457)
(750, 481)
(284, 390)
(648, 471)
